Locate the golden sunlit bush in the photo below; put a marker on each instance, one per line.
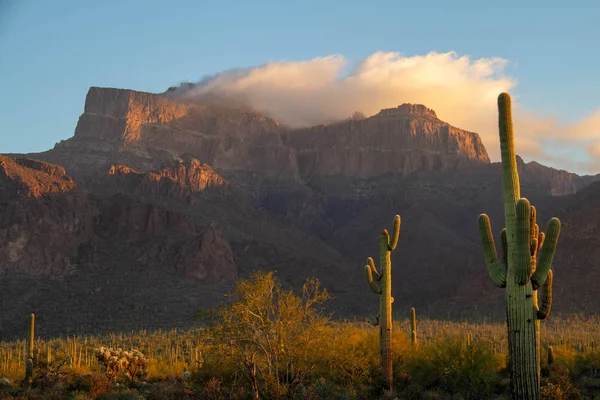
(456, 367)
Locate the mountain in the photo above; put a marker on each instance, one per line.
(152, 247)
(145, 130)
(174, 200)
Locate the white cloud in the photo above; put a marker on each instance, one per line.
(462, 91)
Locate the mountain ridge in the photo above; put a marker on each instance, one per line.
(306, 202)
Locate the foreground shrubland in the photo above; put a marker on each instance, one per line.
(270, 343)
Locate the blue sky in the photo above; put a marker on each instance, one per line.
(52, 52)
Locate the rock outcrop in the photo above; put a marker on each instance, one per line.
(132, 219)
(24, 177)
(208, 260)
(162, 238)
(178, 180)
(555, 182)
(154, 127)
(399, 140)
(44, 217)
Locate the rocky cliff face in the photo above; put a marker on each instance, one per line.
(163, 239)
(44, 217)
(555, 182)
(142, 130)
(178, 180)
(399, 140)
(145, 131)
(208, 260)
(155, 128)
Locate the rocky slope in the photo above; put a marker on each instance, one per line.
(181, 199)
(44, 217)
(154, 247)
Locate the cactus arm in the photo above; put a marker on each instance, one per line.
(373, 321)
(540, 241)
(533, 240)
(372, 284)
(533, 246)
(371, 264)
(544, 311)
(522, 239)
(504, 246)
(535, 229)
(547, 253)
(497, 274)
(394, 238)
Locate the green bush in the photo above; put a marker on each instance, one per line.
(456, 368)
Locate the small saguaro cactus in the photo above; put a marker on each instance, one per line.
(523, 275)
(413, 326)
(30, 342)
(381, 284)
(550, 355)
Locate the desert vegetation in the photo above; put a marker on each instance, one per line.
(269, 342)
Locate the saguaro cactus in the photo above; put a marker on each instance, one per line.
(381, 284)
(413, 326)
(29, 363)
(523, 275)
(550, 355)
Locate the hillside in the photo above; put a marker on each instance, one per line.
(176, 200)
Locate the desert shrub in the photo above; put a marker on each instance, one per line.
(456, 368)
(131, 363)
(92, 383)
(158, 370)
(49, 375)
(168, 389)
(270, 333)
(564, 356)
(587, 364)
(557, 383)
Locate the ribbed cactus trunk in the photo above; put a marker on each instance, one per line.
(522, 277)
(381, 284)
(30, 342)
(522, 342)
(385, 310)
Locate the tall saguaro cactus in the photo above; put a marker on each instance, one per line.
(29, 363)
(413, 326)
(381, 284)
(523, 275)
